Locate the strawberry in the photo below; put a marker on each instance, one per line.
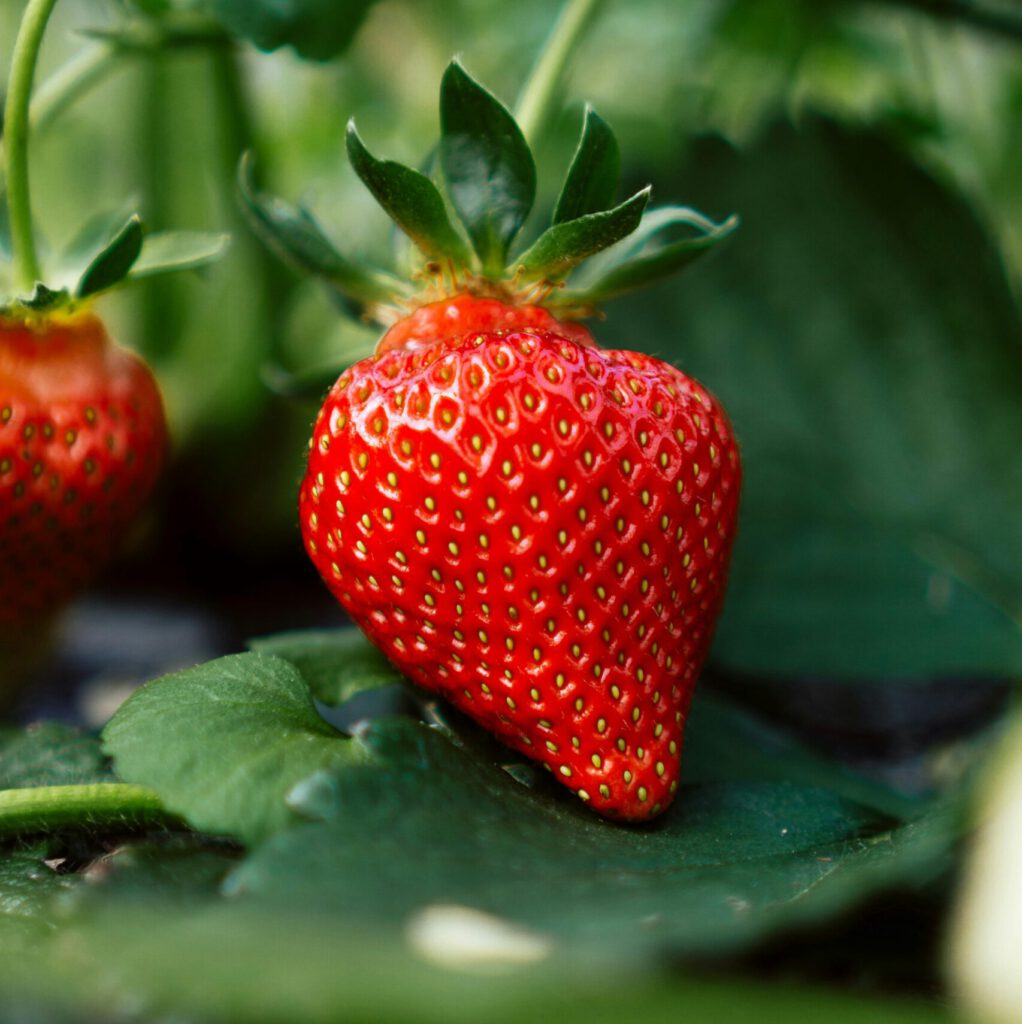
(82, 431)
(82, 437)
(531, 526)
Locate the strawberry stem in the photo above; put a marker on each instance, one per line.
(16, 132)
(540, 90)
(97, 805)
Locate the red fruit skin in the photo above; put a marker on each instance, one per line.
(82, 440)
(535, 528)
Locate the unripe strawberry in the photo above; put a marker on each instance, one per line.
(529, 525)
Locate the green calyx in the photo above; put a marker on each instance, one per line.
(465, 224)
(108, 251)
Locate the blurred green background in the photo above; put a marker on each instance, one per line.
(862, 328)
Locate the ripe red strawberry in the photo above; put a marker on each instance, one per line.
(82, 438)
(531, 526)
(535, 528)
(82, 431)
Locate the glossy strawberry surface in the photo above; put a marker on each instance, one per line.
(535, 528)
(82, 438)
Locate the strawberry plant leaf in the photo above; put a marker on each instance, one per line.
(564, 246)
(224, 743)
(167, 251)
(28, 888)
(111, 265)
(411, 200)
(317, 29)
(592, 179)
(336, 663)
(50, 754)
(488, 169)
(296, 237)
(783, 853)
(642, 259)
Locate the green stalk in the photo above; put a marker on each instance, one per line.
(540, 91)
(16, 125)
(45, 808)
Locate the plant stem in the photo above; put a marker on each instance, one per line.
(540, 90)
(43, 808)
(19, 93)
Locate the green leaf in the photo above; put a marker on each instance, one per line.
(28, 888)
(224, 743)
(783, 854)
(563, 246)
(412, 201)
(296, 237)
(111, 265)
(487, 166)
(642, 260)
(50, 754)
(317, 29)
(164, 252)
(336, 663)
(592, 179)
(866, 345)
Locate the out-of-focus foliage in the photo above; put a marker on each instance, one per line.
(864, 339)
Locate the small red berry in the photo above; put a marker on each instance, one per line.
(82, 439)
(537, 529)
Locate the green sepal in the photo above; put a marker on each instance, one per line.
(112, 263)
(165, 252)
(643, 261)
(563, 246)
(413, 202)
(296, 237)
(42, 300)
(488, 169)
(592, 179)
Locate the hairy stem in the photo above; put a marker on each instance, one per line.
(16, 130)
(44, 808)
(540, 90)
